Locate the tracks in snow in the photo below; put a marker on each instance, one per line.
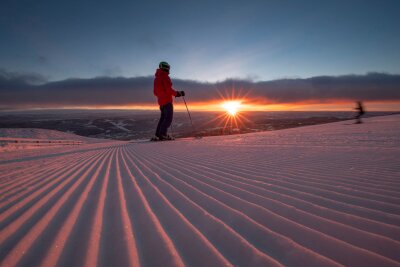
(189, 204)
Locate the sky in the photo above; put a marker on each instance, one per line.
(204, 41)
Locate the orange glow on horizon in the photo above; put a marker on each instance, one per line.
(247, 105)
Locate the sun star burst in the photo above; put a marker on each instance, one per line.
(231, 107)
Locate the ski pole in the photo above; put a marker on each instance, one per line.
(190, 117)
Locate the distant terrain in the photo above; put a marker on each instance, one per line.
(130, 125)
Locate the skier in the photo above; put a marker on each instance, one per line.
(163, 91)
(361, 111)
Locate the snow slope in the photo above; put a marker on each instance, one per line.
(24, 139)
(34, 133)
(325, 195)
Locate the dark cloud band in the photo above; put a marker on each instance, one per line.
(24, 90)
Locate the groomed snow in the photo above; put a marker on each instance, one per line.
(33, 133)
(325, 195)
(19, 141)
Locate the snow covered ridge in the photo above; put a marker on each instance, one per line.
(29, 138)
(324, 195)
(32, 133)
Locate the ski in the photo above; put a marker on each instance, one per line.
(156, 139)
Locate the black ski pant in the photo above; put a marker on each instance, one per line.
(167, 113)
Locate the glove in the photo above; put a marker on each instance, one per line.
(180, 93)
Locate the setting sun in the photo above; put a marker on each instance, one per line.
(231, 107)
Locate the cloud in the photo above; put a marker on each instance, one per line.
(16, 79)
(369, 87)
(29, 90)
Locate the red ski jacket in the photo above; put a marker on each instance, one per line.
(163, 87)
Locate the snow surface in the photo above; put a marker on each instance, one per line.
(33, 133)
(325, 195)
(14, 139)
(120, 125)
